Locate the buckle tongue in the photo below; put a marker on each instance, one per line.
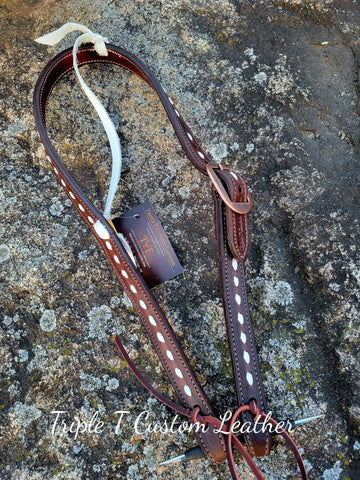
(240, 207)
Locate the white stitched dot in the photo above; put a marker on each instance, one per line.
(116, 258)
(133, 289)
(160, 337)
(237, 299)
(243, 337)
(249, 378)
(81, 207)
(234, 264)
(240, 318)
(187, 391)
(143, 304)
(108, 244)
(91, 220)
(177, 113)
(56, 170)
(236, 281)
(201, 155)
(172, 103)
(63, 183)
(124, 274)
(170, 355)
(246, 357)
(71, 194)
(100, 229)
(190, 136)
(234, 175)
(152, 320)
(179, 373)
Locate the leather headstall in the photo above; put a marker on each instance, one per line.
(232, 202)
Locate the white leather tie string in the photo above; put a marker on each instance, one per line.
(88, 36)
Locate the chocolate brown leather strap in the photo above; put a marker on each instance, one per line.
(239, 328)
(232, 202)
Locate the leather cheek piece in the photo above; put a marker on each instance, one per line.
(246, 370)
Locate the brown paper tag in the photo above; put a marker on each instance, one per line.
(149, 243)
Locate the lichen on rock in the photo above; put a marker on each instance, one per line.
(270, 89)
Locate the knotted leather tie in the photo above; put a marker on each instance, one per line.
(232, 202)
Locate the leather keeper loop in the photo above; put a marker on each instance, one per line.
(236, 223)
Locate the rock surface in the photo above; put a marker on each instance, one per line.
(271, 88)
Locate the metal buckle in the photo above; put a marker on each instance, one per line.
(241, 207)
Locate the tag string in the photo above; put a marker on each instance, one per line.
(98, 41)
